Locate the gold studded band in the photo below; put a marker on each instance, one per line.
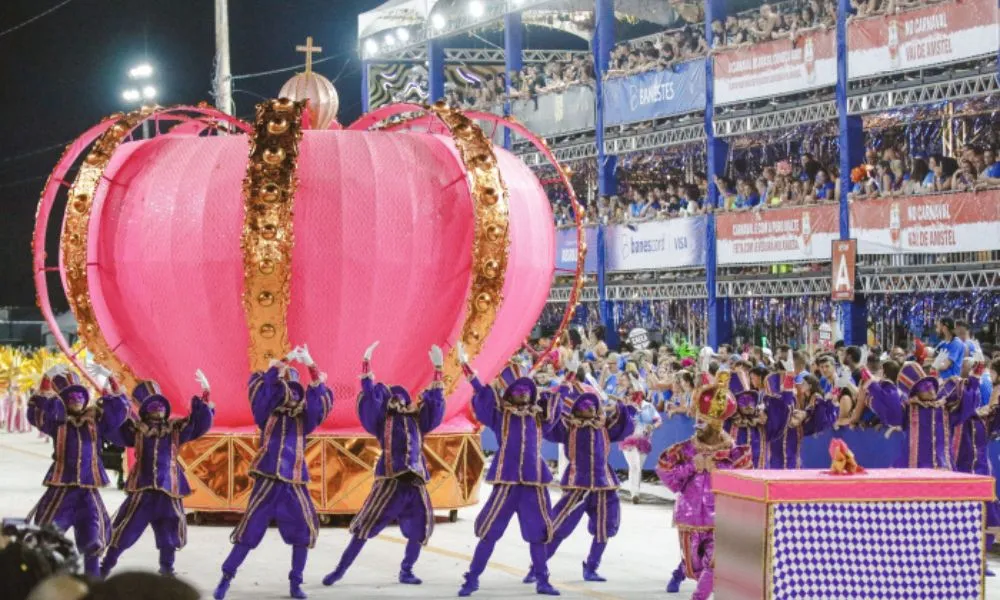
(491, 244)
(75, 235)
(267, 238)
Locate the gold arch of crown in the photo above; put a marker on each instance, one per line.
(267, 238)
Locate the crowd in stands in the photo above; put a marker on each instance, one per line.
(532, 80)
(808, 180)
(894, 172)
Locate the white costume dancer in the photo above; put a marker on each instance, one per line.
(637, 446)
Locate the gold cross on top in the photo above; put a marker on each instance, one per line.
(309, 50)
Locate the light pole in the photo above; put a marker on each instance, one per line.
(142, 91)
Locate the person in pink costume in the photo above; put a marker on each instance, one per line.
(686, 468)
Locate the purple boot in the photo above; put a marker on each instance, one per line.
(676, 580)
(346, 560)
(409, 559)
(299, 556)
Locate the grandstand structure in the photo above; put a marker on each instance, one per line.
(938, 60)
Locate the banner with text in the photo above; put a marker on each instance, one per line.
(566, 250)
(557, 112)
(942, 33)
(776, 235)
(962, 222)
(675, 90)
(657, 244)
(776, 68)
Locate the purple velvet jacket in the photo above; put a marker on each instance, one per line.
(588, 443)
(284, 428)
(926, 425)
(785, 438)
(519, 431)
(156, 448)
(695, 505)
(77, 438)
(399, 430)
(975, 426)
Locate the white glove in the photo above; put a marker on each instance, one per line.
(369, 351)
(789, 363)
(437, 357)
(864, 356)
(95, 370)
(573, 364)
(941, 359)
(305, 357)
(462, 356)
(61, 369)
(202, 380)
(293, 355)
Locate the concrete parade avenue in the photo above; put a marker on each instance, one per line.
(637, 563)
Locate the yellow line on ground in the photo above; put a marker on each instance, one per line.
(505, 568)
(26, 452)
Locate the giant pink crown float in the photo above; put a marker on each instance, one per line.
(219, 245)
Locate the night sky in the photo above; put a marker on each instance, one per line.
(64, 72)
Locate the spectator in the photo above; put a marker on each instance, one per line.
(823, 188)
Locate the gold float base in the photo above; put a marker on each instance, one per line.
(340, 470)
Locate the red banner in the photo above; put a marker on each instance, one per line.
(965, 222)
(776, 235)
(775, 68)
(843, 262)
(936, 34)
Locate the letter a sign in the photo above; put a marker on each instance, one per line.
(843, 262)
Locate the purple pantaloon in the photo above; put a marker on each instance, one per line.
(698, 553)
(289, 505)
(153, 508)
(402, 499)
(603, 510)
(82, 510)
(532, 506)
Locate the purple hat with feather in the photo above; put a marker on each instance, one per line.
(148, 396)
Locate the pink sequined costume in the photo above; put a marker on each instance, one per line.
(686, 468)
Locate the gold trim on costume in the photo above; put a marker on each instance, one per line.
(267, 239)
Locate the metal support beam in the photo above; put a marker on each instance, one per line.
(512, 44)
(435, 70)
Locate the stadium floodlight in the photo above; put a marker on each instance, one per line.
(149, 92)
(371, 46)
(403, 34)
(476, 8)
(141, 71)
(131, 95)
(438, 21)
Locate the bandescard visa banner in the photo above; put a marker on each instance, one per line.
(675, 90)
(657, 244)
(776, 235)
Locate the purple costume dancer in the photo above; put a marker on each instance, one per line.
(589, 485)
(796, 409)
(401, 475)
(518, 474)
(974, 429)
(923, 417)
(286, 413)
(157, 485)
(749, 425)
(61, 410)
(686, 468)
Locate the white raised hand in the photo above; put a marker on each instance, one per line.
(305, 357)
(369, 351)
(462, 356)
(202, 380)
(437, 357)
